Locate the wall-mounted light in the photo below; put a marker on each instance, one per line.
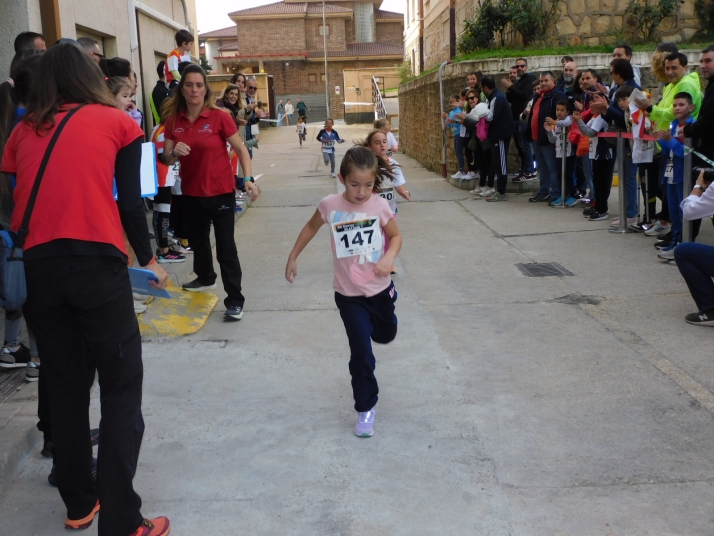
(286, 64)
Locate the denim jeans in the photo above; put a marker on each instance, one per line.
(675, 194)
(696, 264)
(630, 187)
(547, 168)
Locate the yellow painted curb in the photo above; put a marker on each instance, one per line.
(615, 181)
(185, 313)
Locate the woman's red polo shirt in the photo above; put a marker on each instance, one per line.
(76, 196)
(206, 171)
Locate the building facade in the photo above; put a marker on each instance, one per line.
(432, 27)
(286, 40)
(142, 32)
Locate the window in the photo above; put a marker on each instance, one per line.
(312, 78)
(323, 30)
(322, 77)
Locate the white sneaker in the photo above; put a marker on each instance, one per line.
(658, 228)
(488, 192)
(477, 190)
(457, 175)
(472, 176)
(139, 307)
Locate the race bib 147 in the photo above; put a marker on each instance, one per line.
(358, 237)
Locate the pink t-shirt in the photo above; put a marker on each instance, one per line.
(350, 224)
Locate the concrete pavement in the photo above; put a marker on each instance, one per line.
(577, 405)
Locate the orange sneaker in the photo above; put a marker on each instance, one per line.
(84, 523)
(153, 527)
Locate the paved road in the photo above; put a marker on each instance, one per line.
(510, 406)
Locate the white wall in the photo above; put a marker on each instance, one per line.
(16, 16)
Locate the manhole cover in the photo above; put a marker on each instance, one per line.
(543, 269)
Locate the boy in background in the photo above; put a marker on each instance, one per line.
(182, 53)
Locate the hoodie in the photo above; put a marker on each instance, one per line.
(673, 152)
(663, 113)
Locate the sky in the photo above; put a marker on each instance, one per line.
(213, 14)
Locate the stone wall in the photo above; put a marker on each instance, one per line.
(420, 134)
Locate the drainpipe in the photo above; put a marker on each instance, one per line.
(443, 122)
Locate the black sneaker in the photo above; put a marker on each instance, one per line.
(537, 198)
(48, 449)
(14, 359)
(546, 199)
(665, 242)
(596, 216)
(197, 286)
(170, 256)
(665, 236)
(702, 318)
(588, 211)
(234, 313)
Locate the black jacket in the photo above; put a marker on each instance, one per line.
(520, 93)
(701, 130)
(501, 125)
(614, 112)
(547, 109)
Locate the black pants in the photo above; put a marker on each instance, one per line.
(179, 218)
(469, 154)
(220, 211)
(82, 312)
(602, 180)
(162, 216)
(649, 185)
(499, 159)
(366, 320)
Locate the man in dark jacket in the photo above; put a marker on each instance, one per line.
(518, 94)
(500, 130)
(701, 130)
(159, 94)
(543, 150)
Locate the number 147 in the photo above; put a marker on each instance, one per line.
(358, 240)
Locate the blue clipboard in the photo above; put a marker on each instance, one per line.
(140, 283)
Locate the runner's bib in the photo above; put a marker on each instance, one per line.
(669, 170)
(387, 194)
(357, 237)
(327, 145)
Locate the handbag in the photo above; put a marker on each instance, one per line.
(13, 285)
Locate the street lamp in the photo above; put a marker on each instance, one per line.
(324, 46)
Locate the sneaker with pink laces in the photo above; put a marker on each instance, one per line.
(159, 526)
(365, 423)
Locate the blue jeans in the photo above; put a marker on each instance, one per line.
(696, 264)
(547, 169)
(281, 120)
(587, 166)
(630, 187)
(366, 320)
(675, 194)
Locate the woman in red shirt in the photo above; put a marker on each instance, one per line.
(79, 300)
(196, 134)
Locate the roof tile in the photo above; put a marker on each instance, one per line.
(381, 14)
(282, 8)
(223, 32)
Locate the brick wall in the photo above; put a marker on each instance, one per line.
(436, 44)
(271, 36)
(390, 32)
(335, 40)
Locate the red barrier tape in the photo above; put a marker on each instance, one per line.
(625, 135)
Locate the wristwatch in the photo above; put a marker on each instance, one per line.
(251, 179)
(698, 187)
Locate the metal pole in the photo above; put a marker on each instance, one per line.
(443, 122)
(647, 196)
(324, 44)
(562, 170)
(687, 187)
(622, 228)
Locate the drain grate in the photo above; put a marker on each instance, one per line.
(543, 269)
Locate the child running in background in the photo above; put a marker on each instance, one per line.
(301, 129)
(377, 142)
(328, 137)
(386, 127)
(364, 292)
(455, 126)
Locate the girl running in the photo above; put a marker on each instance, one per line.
(378, 142)
(327, 136)
(364, 292)
(301, 129)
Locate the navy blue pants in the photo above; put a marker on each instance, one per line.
(366, 320)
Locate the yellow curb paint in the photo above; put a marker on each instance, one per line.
(185, 313)
(615, 180)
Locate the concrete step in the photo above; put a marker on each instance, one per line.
(511, 187)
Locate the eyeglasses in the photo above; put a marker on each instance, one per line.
(472, 98)
(521, 66)
(252, 87)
